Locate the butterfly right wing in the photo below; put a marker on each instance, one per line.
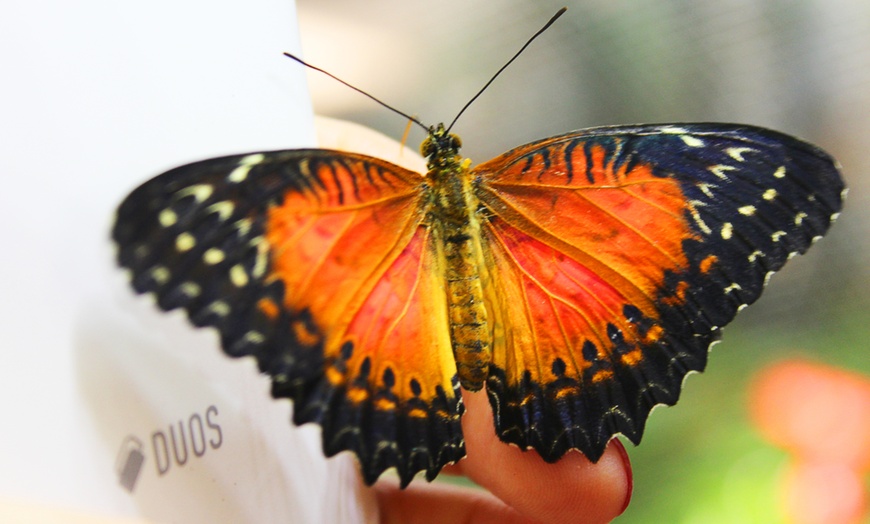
(318, 264)
(619, 253)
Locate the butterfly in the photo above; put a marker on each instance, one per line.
(577, 279)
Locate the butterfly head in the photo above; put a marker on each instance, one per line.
(440, 148)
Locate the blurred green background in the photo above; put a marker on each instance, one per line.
(802, 67)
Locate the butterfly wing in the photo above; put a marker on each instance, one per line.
(616, 255)
(318, 264)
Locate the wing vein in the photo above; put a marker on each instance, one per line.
(628, 282)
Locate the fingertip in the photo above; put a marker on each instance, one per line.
(573, 489)
(437, 503)
(629, 475)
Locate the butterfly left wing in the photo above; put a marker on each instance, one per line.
(615, 255)
(319, 264)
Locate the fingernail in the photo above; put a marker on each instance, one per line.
(626, 464)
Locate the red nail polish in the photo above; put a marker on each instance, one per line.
(626, 464)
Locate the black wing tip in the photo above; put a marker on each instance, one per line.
(380, 439)
(556, 418)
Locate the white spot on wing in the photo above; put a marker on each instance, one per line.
(692, 141)
(254, 337)
(160, 274)
(705, 188)
(262, 257)
(200, 192)
(167, 218)
(184, 242)
(720, 170)
(693, 204)
(219, 308)
(238, 276)
(780, 172)
(737, 152)
(240, 173)
(754, 255)
(799, 218)
(777, 235)
(190, 289)
(243, 226)
(770, 194)
(213, 256)
(223, 209)
(733, 287)
(747, 210)
(727, 230)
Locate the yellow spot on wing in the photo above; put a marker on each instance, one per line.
(334, 376)
(632, 357)
(238, 276)
(220, 308)
(245, 164)
(303, 334)
(654, 334)
(692, 141)
(213, 256)
(566, 392)
(357, 395)
(384, 404)
(223, 209)
(417, 413)
(190, 289)
(160, 274)
(184, 242)
(707, 263)
(268, 307)
(737, 152)
(602, 375)
(199, 192)
(720, 169)
(167, 218)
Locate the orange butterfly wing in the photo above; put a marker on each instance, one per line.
(615, 255)
(317, 263)
(609, 260)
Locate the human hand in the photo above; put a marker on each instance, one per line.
(522, 488)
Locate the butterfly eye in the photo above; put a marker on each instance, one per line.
(427, 148)
(455, 142)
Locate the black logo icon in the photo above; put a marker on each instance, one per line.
(129, 462)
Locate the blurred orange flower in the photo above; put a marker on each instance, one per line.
(821, 416)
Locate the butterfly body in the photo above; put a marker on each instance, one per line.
(453, 216)
(578, 278)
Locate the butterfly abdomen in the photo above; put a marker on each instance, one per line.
(457, 231)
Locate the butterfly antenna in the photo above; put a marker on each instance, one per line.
(358, 90)
(559, 13)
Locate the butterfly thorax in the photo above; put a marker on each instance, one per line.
(454, 222)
